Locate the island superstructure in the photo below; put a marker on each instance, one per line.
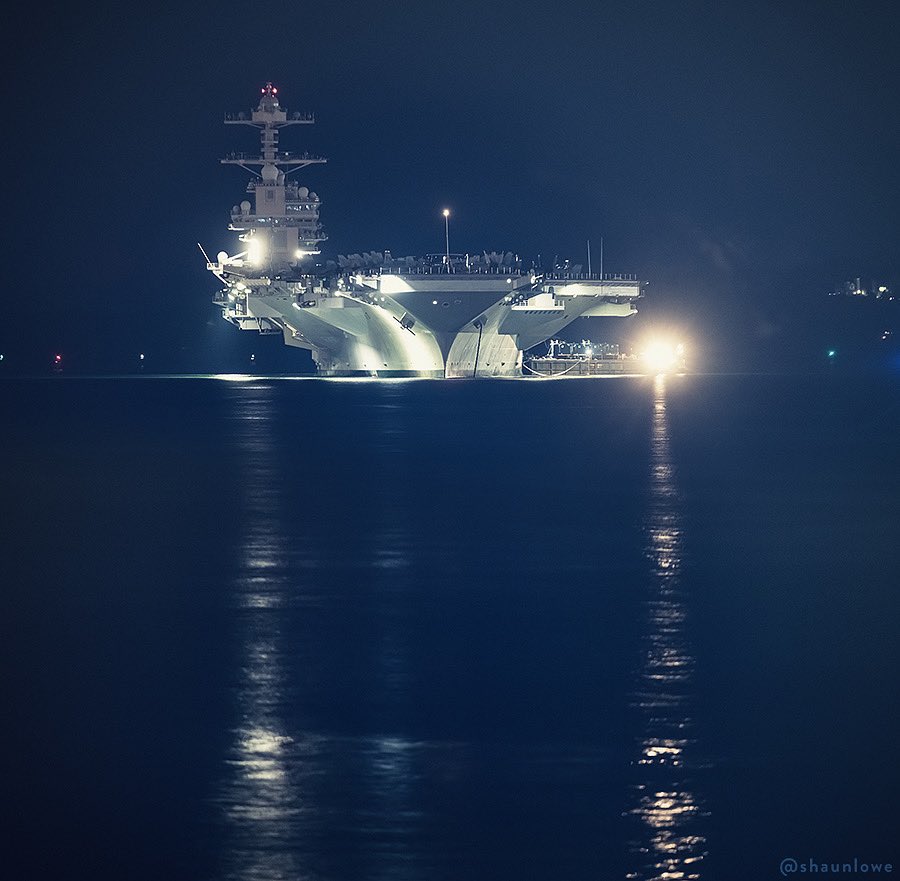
(452, 315)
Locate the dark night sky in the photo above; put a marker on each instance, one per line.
(740, 157)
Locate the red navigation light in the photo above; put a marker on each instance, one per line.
(57, 359)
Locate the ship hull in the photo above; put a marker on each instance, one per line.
(432, 326)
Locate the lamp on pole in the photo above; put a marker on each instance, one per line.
(446, 213)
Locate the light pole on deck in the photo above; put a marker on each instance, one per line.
(447, 237)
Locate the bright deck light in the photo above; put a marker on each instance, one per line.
(256, 250)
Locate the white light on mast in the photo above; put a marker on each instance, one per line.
(256, 250)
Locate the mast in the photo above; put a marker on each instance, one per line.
(282, 226)
(601, 266)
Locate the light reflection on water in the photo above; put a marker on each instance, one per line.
(288, 790)
(669, 843)
(266, 797)
(299, 802)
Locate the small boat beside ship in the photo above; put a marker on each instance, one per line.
(570, 360)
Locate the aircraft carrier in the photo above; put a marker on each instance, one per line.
(448, 315)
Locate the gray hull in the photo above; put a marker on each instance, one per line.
(429, 325)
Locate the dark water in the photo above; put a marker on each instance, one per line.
(624, 628)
